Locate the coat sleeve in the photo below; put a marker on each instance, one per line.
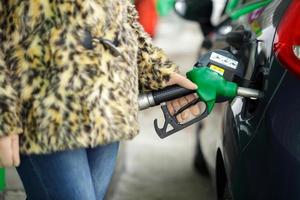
(9, 108)
(153, 65)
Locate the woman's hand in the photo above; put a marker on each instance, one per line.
(9, 151)
(176, 104)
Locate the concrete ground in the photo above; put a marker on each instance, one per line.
(150, 168)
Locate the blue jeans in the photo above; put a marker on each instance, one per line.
(81, 174)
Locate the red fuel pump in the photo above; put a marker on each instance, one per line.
(148, 15)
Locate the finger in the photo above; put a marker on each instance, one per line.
(182, 81)
(15, 150)
(1, 164)
(201, 106)
(194, 109)
(185, 114)
(176, 107)
(170, 108)
(6, 151)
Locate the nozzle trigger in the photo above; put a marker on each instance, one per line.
(172, 121)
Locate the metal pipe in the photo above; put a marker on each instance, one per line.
(250, 93)
(145, 101)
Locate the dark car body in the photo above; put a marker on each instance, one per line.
(258, 152)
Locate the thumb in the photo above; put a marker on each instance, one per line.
(182, 81)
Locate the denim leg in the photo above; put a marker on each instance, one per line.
(102, 162)
(57, 176)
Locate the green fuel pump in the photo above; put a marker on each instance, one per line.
(164, 6)
(2, 182)
(215, 74)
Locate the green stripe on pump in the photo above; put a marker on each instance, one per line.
(248, 8)
(231, 5)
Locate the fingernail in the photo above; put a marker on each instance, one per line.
(195, 87)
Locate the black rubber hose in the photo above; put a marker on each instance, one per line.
(170, 93)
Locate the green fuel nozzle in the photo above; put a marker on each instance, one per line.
(212, 85)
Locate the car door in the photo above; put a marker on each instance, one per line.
(249, 171)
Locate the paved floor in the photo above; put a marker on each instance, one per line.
(161, 169)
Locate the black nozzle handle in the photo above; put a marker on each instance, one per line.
(157, 97)
(170, 93)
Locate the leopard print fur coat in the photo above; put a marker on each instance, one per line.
(71, 71)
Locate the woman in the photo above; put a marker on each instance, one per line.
(70, 74)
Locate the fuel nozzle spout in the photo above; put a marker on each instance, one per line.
(249, 93)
